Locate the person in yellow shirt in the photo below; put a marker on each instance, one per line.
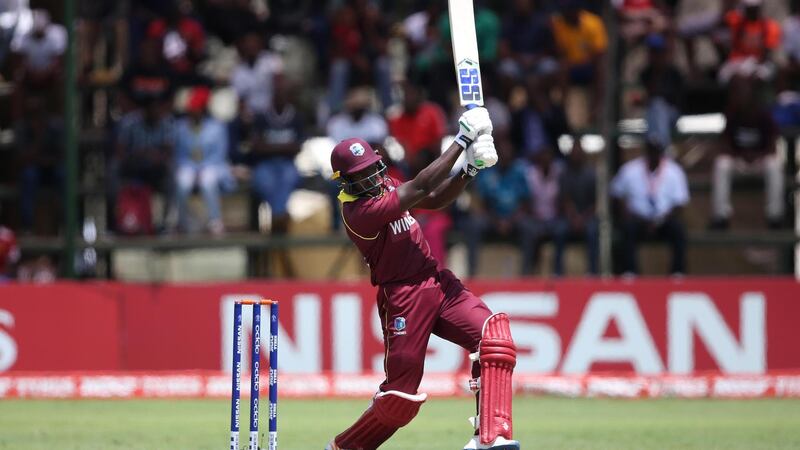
(582, 41)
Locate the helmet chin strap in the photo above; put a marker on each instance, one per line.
(372, 179)
(373, 195)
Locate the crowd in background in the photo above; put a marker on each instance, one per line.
(150, 73)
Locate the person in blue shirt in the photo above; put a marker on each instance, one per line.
(503, 207)
(201, 149)
(143, 157)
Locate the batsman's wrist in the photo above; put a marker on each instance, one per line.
(463, 140)
(469, 171)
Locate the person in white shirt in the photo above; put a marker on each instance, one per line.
(651, 191)
(40, 54)
(43, 47)
(252, 78)
(358, 120)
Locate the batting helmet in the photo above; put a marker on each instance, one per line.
(352, 156)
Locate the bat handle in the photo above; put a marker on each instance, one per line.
(471, 106)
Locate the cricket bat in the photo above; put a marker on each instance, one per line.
(465, 53)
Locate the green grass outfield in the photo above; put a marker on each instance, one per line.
(540, 423)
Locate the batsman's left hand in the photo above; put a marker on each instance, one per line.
(480, 155)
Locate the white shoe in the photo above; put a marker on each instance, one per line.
(500, 443)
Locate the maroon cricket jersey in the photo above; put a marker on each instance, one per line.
(390, 240)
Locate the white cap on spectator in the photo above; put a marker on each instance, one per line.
(752, 2)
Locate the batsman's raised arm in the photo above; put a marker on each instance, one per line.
(431, 188)
(481, 150)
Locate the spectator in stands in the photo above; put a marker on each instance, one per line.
(748, 144)
(314, 28)
(544, 177)
(582, 42)
(651, 192)
(495, 101)
(9, 254)
(292, 16)
(39, 140)
(527, 45)
(502, 207)
(359, 35)
(141, 163)
(639, 18)
(40, 270)
(274, 139)
(786, 110)
(419, 126)
(226, 19)
(753, 38)
(419, 27)
(148, 77)
(577, 198)
(790, 74)
(664, 85)
(358, 119)
(103, 21)
(201, 149)
(253, 77)
(430, 58)
(695, 23)
(183, 41)
(40, 58)
(541, 122)
(787, 104)
(41, 50)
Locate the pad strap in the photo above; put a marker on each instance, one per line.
(389, 411)
(474, 385)
(498, 356)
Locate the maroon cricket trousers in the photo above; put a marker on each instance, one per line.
(411, 311)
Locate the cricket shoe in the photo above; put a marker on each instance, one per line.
(500, 443)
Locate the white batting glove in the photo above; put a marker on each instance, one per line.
(480, 155)
(472, 123)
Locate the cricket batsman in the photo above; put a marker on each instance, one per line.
(414, 298)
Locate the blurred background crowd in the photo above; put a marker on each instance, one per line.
(622, 122)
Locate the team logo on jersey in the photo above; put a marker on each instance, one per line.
(399, 326)
(357, 149)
